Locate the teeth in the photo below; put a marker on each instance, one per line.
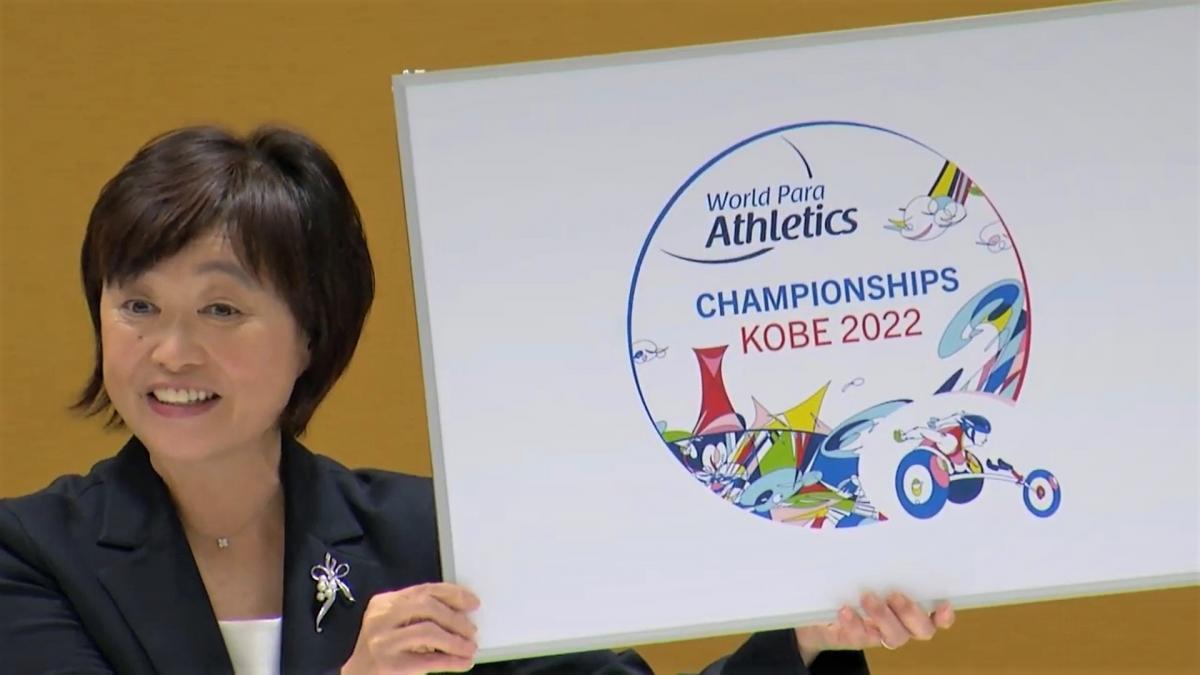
(182, 396)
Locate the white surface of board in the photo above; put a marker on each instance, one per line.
(1022, 188)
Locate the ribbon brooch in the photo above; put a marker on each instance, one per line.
(329, 584)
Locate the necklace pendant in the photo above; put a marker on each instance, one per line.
(222, 542)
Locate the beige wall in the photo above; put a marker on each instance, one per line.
(85, 83)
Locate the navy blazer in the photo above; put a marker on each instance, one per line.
(96, 576)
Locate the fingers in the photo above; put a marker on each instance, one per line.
(453, 595)
(853, 631)
(441, 663)
(891, 631)
(889, 622)
(943, 616)
(408, 608)
(422, 639)
(417, 630)
(912, 616)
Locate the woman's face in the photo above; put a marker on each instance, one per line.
(199, 358)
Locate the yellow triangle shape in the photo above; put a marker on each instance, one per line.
(941, 187)
(802, 417)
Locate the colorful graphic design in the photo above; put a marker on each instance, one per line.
(944, 465)
(787, 466)
(817, 337)
(928, 216)
(997, 318)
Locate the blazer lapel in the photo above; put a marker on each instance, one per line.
(154, 582)
(319, 521)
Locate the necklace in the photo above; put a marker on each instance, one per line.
(223, 541)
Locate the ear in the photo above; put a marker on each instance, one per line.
(305, 352)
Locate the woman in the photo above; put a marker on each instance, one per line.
(228, 280)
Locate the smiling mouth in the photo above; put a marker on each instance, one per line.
(182, 398)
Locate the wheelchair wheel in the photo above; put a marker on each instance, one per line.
(964, 490)
(922, 484)
(1042, 493)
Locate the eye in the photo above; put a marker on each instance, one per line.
(222, 310)
(138, 307)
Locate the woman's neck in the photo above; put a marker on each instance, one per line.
(227, 493)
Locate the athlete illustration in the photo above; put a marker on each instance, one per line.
(944, 465)
(928, 216)
(954, 437)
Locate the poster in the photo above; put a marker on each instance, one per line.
(716, 338)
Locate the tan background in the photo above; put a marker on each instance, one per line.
(85, 83)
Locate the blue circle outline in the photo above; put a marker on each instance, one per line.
(938, 494)
(1054, 504)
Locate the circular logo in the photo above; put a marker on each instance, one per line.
(806, 291)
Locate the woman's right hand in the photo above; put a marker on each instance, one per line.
(419, 629)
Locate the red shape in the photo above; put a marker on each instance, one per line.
(716, 411)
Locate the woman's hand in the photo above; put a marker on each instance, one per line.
(889, 623)
(419, 629)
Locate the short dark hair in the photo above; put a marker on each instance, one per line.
(282, 202)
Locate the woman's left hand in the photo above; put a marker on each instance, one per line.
(889, 622)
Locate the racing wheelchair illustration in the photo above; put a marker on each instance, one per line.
(942, 469)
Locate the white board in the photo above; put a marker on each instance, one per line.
(1008, 216)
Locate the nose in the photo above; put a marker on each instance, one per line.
(177, 349)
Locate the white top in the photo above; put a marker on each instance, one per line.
(253, 645)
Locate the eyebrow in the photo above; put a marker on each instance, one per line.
(229, 268)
